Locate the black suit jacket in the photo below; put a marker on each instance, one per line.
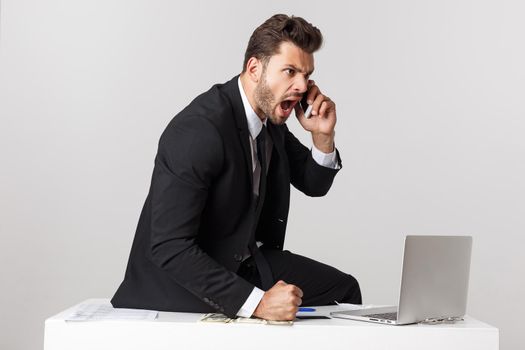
(199, 216)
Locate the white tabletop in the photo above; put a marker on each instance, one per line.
(177, 330)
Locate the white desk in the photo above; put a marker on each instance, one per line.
(174, 330)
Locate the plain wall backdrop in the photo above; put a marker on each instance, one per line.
(431, 126)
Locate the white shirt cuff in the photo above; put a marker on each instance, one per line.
(251, 303)
(328, 160)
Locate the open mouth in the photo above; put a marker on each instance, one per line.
(287, 106)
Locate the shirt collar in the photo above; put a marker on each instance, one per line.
(254, 122)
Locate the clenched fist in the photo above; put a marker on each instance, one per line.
(280, 303)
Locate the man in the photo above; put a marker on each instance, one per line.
(211, 232)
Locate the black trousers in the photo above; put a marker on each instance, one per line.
(321, 284)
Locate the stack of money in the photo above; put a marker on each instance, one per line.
(220, 318)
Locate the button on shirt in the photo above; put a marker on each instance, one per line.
(255, 124)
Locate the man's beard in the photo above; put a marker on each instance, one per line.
(265, 101)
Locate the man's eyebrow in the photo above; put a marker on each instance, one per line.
(298, 70)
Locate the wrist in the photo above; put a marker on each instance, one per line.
(258, 310)
(324, 142)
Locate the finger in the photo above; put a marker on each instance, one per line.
(325, 106)
(296, 301)
(317, 103)
(297, 291)
(293, 300)
(312, 94)
(293, 307)
(290, 316)
(281, 282)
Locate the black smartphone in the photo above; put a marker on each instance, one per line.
(307, 109)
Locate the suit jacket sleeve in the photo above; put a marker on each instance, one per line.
(305, 174)
(190, 155)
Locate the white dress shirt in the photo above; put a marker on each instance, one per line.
(255, 124)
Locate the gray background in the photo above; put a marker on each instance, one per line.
(430, 99)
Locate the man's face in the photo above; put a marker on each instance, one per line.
(283, 82)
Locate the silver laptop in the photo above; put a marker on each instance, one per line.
(434, 282)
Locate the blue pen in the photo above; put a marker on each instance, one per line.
(306, 309)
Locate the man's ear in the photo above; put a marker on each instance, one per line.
(254, 69)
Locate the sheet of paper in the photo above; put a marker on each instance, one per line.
(105, 312)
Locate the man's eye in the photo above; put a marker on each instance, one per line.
(289, 71)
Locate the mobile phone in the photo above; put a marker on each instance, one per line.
(307, 109)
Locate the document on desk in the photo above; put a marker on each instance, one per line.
(105, 312)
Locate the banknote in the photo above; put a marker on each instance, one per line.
(249, 320)
(218, 318)
(280, 323)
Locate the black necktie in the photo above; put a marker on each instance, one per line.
(261, 155)
(262, 265)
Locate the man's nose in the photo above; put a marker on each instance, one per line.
(301, 84)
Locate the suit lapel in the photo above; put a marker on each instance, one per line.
(231, 88)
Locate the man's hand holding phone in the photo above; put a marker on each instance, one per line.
(321, 121)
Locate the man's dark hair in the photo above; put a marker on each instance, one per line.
(267, 38)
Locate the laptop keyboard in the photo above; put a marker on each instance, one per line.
(387, 316)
